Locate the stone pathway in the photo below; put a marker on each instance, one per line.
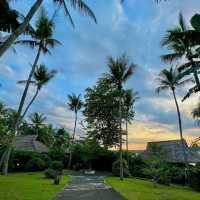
(88, 188)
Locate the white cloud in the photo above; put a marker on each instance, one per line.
(6, 71)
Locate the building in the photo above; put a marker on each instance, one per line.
(30, 143)
(172, 150)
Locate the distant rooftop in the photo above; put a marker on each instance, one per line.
(30, 143)
(173, 151)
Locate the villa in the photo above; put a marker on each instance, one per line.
(173, 151)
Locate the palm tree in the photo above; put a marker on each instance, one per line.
(170, 80)
(37, 120)
(41, 77)
(75, 104)
(181, 46)
(120, 71)
(76, 4)
(42, 39)
(196, 114)
(129, 99)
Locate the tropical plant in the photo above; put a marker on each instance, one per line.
(37, 121)
(75, 104)
(41, 77)
(170, 79)
(181, 46)
(76, 4)
(42, 39)
(120, 71)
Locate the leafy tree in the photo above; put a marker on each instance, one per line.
(75, 104)
(41, 77)
(101, 112)
(170, 80)
(120, 71)
(76, 4)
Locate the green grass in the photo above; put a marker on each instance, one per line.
(134, 189)
(28, 186)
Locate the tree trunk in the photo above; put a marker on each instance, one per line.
(180, 128)
(18, 117)
(21, 28)
(72, 142)
(127, 141)
(120, 141)
(31, 102)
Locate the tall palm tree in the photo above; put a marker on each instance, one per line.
(41, 77)
(170, 80)
(76, 4)
(37, 120)
(75, 104)
(129, 99)
(181, 46)
(120, 70)
(42, 39)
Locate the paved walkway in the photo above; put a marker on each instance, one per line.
(87, 188)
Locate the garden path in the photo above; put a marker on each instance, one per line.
(88, 188)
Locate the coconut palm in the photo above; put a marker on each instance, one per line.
(37, 120)
(196, 114)
(75, 104)
(42, 40)
(129, 99)
(41, 77)
(181, 46)
(120, 70)
(170, 79)
(76, 4)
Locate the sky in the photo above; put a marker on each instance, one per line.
(136, 28)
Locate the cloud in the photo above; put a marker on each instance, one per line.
(137, 29)
(6, 71)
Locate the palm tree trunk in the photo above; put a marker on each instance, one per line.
(120, 140)
(72, 142)
(180, 128)
(21, 28)
(31, 102)
(18, 117)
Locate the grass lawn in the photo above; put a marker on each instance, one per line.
(28, 186)
(134, 189)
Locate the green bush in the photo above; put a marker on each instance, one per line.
(136, 166)
(35, 164)
(116, 168)
(177, 174)
(57, 165)
(49, 173)
(194, 178)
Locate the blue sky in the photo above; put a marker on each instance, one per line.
(136, 29)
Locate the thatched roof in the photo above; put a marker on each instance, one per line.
(172, 150)
(30, 143)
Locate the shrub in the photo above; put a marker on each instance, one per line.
(35, 164)
(57, 165)
(116, 168)
(136, 166)
(49, 173)
(194, 178)
(177, 174)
